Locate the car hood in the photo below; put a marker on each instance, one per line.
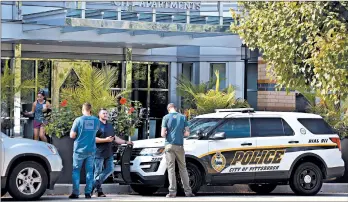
(24, 141)
(155, 142)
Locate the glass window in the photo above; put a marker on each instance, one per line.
(71, 80)
(28, 70)
(158, 103)
(159, 76)
(118, 79)
(139, 75)
(202, 124)
(118, 74)
(317, 126)
(268, 127)
(140, 96)
(44, 76)
(28, 96)
(221, 67)
(288, 131)
(235, 128)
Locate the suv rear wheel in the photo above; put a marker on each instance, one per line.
(262, 188)
(27, 181)
(3, 192)
(306, 180)
(144, 190)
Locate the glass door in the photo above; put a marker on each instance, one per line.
(150, 87)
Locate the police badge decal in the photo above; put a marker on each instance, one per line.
(218, 162)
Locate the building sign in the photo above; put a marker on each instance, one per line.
(185, 5)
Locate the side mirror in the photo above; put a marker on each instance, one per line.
(218, 136)
(197, 135)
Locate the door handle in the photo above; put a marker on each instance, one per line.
(292, 142)
(246, 144)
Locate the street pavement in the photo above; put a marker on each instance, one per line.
(203, 197)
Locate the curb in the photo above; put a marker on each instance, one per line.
(65, 189)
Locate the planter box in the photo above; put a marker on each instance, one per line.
(65, 149)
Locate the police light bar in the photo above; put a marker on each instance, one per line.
(243, 110)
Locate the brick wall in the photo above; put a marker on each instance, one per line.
(268, 97)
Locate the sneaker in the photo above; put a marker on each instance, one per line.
(73, 196)
(171, 196)
(190, 195)
(88, 196)
(101, 194)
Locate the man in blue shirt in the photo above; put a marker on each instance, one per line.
(104, 161)
(84, 131)
(174, 128)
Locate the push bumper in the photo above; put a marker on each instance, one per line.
(335, 172)
(125, 176)
(136, 178)
(3, 182)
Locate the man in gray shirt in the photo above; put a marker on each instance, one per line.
(174, 128)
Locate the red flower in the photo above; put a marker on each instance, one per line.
(123, 101)
(131, 110)
(64, 103)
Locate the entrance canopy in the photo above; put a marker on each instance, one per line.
(96, 26)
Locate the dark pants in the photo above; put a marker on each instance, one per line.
(103, 168)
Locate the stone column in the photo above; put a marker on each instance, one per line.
(17, 67)
(173, 97)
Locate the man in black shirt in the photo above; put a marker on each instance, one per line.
(104, 160)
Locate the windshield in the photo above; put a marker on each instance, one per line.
(202, 124)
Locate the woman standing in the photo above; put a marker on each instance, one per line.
(40, 106)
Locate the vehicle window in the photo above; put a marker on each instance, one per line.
(288, 131)
(235, 128)
(269, 127)
(202, 124)
(317, 126)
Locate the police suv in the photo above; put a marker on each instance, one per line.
(241, 146)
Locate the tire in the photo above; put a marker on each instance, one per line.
(195, 179)
(3, 192)
(144, 190)
(34, 185)
(303, 185)
(262, 188)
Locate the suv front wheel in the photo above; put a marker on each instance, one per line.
(307, 179)
(262, 188)
(27, 181)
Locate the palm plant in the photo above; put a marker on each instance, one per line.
(94, 87)
(334, 114)
(204, 99)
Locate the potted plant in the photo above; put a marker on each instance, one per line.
(125, 117)
(58, 128)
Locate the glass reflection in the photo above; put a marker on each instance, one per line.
(139, 75)
(158, 103)
(159, 76)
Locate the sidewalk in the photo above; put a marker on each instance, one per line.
(65, 189)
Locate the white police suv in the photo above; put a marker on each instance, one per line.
(242, 146)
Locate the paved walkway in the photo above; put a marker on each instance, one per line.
(204, 197)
